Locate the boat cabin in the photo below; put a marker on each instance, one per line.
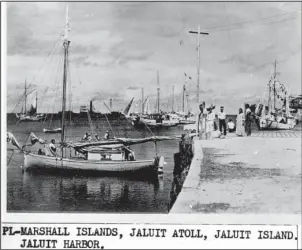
(115, 154)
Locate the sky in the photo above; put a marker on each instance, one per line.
(117, 48)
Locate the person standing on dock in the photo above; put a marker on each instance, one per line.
(248, 120)
(222, 123)
(201, 121)
(210, 122)
(240, 123)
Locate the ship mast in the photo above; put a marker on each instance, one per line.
(25, 96)
(66, 43)
(173, 98)
(158, 93)
(36, 101)
(143, 100)
(183, 97)
(275, 74)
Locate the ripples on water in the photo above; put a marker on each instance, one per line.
(29, 192)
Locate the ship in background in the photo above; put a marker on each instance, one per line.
(295, 104)
(30, 115)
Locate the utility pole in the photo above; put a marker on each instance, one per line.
(142, 100)
(158, 93)
(198, 56)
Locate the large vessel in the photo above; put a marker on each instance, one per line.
(274, 111)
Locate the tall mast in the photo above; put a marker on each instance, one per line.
(183, 97)
(66, 43)
(36, 101)
(275, 74)
(158, 93)
(173, 98)
(25, 96)
(110, 103)
(143, 100)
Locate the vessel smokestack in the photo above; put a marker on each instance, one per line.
(91, 109)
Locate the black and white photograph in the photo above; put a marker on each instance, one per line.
(153, 107)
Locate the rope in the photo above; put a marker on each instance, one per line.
(13, 151)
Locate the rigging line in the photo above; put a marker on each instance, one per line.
(54, 46)
(56, 84)
(13, 152)
(252, 21)
(267, 23)
(52, 56)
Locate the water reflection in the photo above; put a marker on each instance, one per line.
(52, 192)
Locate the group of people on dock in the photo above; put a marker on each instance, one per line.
(207, 121)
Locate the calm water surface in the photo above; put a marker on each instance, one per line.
(30, 192)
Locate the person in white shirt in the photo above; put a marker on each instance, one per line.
(106, 136)
(231, 126)
(222, 123)
(201, 126)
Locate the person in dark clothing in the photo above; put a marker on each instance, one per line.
(52, 147)
(248, 120)
(127, 153)
(222, 123)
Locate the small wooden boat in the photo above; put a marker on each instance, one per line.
(52, 131)
(29, 118)
(185, 122)
(273, 124)
(104, 164)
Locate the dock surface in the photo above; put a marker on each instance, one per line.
(256, 174)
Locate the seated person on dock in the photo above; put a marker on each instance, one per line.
(87, 137)
(106, 136)
(52, 147)
(40, 152)
(231, 126)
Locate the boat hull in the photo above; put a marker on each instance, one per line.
(33, 161)
(185, 122)
(274, 125)
(52, 131)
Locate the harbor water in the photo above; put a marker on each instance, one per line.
(45, 192)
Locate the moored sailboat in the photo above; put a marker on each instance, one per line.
(30, 115)
(102, 156)
(272, 116)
